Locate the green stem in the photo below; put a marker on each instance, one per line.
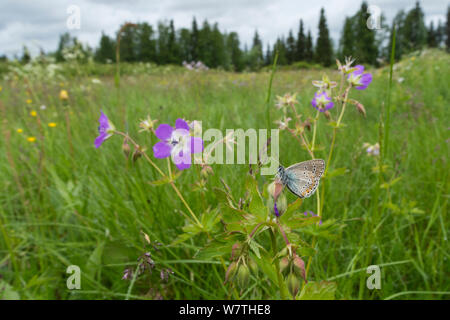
(277, 267)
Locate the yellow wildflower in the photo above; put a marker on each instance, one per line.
(19, 130)
(31, 139)
(29, 101)
(33, 113)
(63, 95)
(52, 124)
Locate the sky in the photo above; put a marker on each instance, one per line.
(38, 24)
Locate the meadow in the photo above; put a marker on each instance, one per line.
(64, 202)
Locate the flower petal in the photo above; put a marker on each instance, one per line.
(365, 80)
(99, 140)
(182, 159)
(161, 150)
(181, 124)
(196, 145)
(359, 70)
(164, 131)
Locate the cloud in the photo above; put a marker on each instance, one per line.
(39, 23)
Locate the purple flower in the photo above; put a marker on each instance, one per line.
(105, 129)
(359, 79)
(312, 215)
(322, 102)
(177, 143)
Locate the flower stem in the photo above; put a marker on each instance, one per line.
(164, 175)
(277, 267)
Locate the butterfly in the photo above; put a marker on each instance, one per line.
(302, 178)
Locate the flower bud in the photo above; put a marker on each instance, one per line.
(206, 170)
(327, 114)
(299, 267)
(235, 249)
(253, 266)
(243, 276)
(126, 147)
(274, 189)
(231, 271)
(137, 153)
(278, 207)
(284, 264)
(361, 108)
(293, 284)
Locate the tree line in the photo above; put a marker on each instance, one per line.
(164, 44)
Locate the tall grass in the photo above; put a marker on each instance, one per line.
(91, 210)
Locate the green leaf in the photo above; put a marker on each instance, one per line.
(256, 206)
(292, 207)
(166, 180)
(94, 262)
(296, 223)
(318, 291)
(255, 247)
(336, 172)
(7, 292)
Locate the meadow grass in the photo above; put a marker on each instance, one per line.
(63, 202)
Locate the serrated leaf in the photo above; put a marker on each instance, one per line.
(292, 207)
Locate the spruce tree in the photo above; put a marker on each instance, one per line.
(106, 50)
(184, 44)
(301, 43)
(399, 24)
(447, 30)
(324, 49)
(172, 45)
(415, 32)
(204, 44)
(146, 44)
(256, 58)
(194, 40)
(280, 47)
(347, 42)
(309, 50)
(268, 58)
(235, 52)
(432, 36)
(366, 50)
(218, 48)
(290, 47)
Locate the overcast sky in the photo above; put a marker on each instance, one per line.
(39, 23)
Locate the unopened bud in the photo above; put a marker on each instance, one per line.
(253, 266)
(274, 189)
(284, 264)
(361, 109)
(235, 249)
(299, 267)
(327, 114)
(293, 284)
(243, 276)
(206, 170)
(137, 153)
(126, 147)
(231, 271)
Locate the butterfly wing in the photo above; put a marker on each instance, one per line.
(303, 178)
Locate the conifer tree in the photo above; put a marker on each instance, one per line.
(365, 50)
(447, 30)
(106, 50)
(301, 43)
(324, 49)
(414, 32)
(290, 48)
(347, 43)
(147, 45)
(194, 40)
(432, 36)
(235, 52)
(309, 50)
